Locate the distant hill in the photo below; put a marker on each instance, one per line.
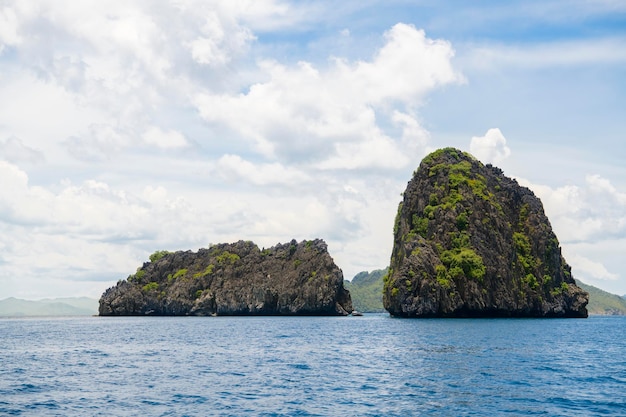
(366, 290)
(74, 306)
(602, 302)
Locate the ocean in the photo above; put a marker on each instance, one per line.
(312, 366)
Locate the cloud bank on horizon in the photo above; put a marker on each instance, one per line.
(130, 127)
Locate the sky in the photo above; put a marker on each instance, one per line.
(128, 127)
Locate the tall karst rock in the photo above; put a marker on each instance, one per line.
(233, 279)
(471, 242)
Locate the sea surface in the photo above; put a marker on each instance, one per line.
(312, 366)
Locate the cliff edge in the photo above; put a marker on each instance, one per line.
(233, 279)
(471, 242)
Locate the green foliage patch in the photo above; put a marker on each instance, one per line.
(227, 258)
(138, 276)
(443, 278)
(207, 271)
(523, 250)
(462, 221)
(420, 224)
(180, 273)
(151, 286)
(531, 281)
(564, 287)
(158, 255)
(464, 262)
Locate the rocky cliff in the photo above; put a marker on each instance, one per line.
(470, 242)
(234, 279)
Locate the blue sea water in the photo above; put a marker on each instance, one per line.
(312, 366)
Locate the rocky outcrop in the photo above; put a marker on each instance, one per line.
(234, 279)
(470, 242)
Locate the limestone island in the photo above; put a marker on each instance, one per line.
(235, 279)
(471, 242)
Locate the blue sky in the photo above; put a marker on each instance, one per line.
(129, 127)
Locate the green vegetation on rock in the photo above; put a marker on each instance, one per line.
(151, 286)
(227, 258)
(207, 271)
(158, 255)
(463, 262)
(180, 273)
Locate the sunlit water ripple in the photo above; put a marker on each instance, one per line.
(312, 366)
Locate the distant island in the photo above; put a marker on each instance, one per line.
(68, 306)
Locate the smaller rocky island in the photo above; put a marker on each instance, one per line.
(233, 279)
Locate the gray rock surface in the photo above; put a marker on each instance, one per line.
(234, 279)
(471, 242)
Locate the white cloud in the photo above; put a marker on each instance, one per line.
(406, 67)
(376, 152)
(545, 55)
(234, 168)
(214, 47)
(586, 268)
(88, 232)
(124, 63)
(414, 136)
(170, 139)
(594, 211)
(602, 186)
(8, 28)
(41, 114)
(490, 148)
(13, 150)
(101, 141)
(607, 258)
(12, 178)
(331, 115)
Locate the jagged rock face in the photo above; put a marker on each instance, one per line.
(234, 279)
(470, 242)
